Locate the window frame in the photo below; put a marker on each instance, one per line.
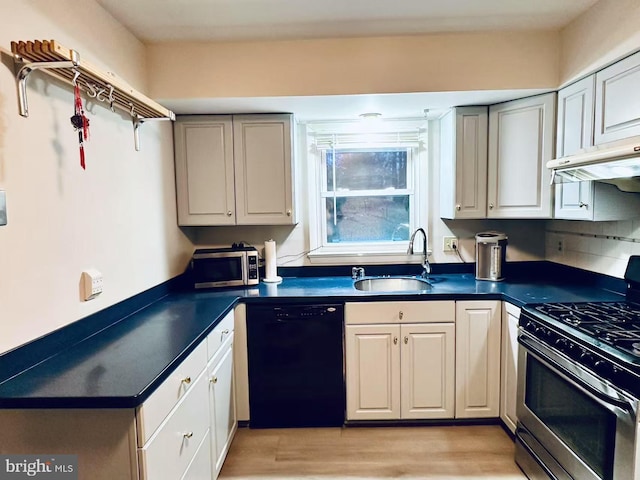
(323, 252)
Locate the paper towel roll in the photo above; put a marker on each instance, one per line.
(270, 267)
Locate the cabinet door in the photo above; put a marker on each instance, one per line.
(575, 117)
(477, 359)
(263, 166)
(463, 166)
(204, 170)
(222, 404)
(373, 372)
(427, 370)
(574, 201)
(509, 377)
(618, 101)
(521, 142)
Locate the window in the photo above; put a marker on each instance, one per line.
(368, 195)
(364, 191)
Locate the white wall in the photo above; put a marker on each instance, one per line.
(603, 34)
(118, 216)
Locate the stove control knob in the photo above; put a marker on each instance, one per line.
(586, 358)
(604, 368)
(562, 344)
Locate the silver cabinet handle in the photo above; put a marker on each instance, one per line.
(186, 380)
(400, 314)
(288, 213)
(187, 435)
(583, 205)
(395, 340)
(406, 340)
(229, 213)
(491, 206)
(223, 333)
(214, 380)
(458, 207)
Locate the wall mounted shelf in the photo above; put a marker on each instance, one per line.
(64, 64)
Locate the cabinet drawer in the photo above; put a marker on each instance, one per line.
(157, 407)
(169, 451)
(219, 334)
(400, 312)
(200, 466)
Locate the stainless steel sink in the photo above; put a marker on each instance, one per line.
(391, 284)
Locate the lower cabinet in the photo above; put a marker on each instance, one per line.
(400, 370)
(509, 377)
(477, 359)
(221, 405)
(182, 431)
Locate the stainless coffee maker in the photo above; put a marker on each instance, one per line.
(491, 254)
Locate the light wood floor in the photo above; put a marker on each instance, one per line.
(433, 452)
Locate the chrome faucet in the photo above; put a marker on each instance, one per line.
(425, 251)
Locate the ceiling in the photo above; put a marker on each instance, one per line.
(240, 20)
(208, 20)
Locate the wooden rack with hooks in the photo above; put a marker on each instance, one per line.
(63, 63)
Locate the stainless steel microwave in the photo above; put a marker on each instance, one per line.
(225, 267)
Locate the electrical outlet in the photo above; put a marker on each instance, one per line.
(449, 244)
(91, 284)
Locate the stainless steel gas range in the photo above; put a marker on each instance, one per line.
(579, 388)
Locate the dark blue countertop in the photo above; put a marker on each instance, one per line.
(120, 365)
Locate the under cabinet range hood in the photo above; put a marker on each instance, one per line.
(619, 165)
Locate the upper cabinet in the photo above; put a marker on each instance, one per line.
(617, 101)
(463, 166)
(594, 201)
(521, 134)
(234, 170)
(575, 117)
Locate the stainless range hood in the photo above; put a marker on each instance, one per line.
(619, 165)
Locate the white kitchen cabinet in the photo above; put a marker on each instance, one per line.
(263, 165)
(373, 372)
(575, 117)
(398, 370)
(427, 370)
(204, 170)
(509, 365)
(463, 163)
(521, 141)
(617, 101)
(234, 170)
(594, 201)
(477, 359)
(221, 404)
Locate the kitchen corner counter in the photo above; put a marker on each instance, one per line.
(122, 364)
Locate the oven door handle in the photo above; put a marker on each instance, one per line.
(616, 402)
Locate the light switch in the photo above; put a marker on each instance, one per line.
(3, 208)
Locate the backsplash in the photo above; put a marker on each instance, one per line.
(602, 247)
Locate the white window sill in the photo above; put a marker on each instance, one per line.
(368, 258)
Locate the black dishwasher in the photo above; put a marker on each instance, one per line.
(296, 373)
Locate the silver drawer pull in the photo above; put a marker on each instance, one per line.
(395, 340)
(406, 340)
(223, 333)
(186, 380)
(187, 435)
(214, 380)
(400, 314)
